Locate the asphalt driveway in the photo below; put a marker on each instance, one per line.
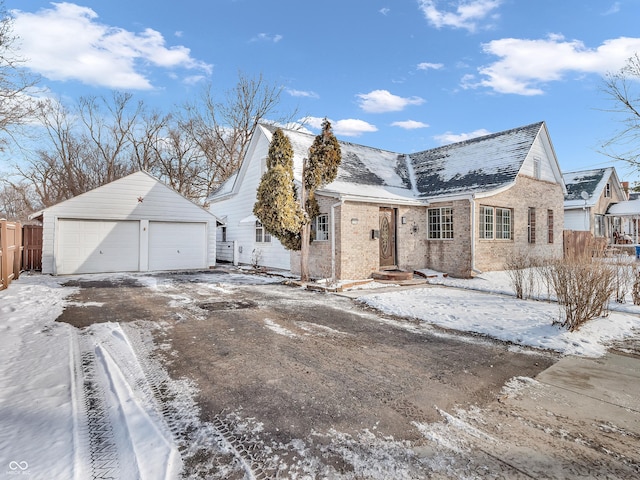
(299, 384)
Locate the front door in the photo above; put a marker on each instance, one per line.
(387, 238)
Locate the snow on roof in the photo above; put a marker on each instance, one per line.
(590, 181)
(476, 165)
(360, 165)
(627, 208)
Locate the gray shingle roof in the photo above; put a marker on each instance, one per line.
(475, 165)
(584, 181)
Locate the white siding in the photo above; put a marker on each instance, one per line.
(137, 197)
(576, 220)
(538, 150)
(239, 207)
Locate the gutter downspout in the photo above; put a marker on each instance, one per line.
(333, 239)
(472, 202)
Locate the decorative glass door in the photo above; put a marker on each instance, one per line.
(387, 238)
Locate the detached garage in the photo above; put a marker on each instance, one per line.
(134, 224)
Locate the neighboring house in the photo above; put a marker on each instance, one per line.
(590, 193)
(136, 223)
(459, 209)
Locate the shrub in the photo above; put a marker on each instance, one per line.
(623, 277)
(635, 292)
(583, 288)
(525, 274)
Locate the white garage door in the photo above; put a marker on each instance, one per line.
(97, 246)
(177, 246)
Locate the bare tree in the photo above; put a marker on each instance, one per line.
(179, 163)
(56, 170)
(145, 139)
(82, 148)
(108, 125)
(223, 131)
(622, 88)
(17, 200)
(16, 106)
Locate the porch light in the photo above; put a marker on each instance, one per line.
(354, 221)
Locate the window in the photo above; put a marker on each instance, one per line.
(537, 169)
(224, 234)
(321, 227)
(549, 226)
(486, 222)
(607, 190)
(495, 223)
(598, 227)
(440, 223)
(503, 224)
(531, 225)
(262, 236)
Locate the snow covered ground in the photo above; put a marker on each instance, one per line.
(50, 372)
(500, 315)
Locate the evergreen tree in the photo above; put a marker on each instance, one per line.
(276, 206)
(319, 170)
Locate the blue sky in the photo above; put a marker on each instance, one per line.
(401, 75)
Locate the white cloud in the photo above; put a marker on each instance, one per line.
(526, 65)
(95, 54)
(450, 137)
(380, 101)
(349, 127)
(267, 37)
(467, 14)
(302, 93)
(410, 124)
(615, 8)
(384, 11)
(429, 66)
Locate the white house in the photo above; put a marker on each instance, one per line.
(136, 223)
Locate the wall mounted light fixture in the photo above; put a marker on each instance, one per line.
(354, 221)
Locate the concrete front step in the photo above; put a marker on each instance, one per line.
(392, 275)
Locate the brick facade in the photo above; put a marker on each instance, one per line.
(527, 192)
(357, 253)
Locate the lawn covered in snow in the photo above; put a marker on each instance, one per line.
(486, 305)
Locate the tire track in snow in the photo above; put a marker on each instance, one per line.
(97, 441)
(180, 412)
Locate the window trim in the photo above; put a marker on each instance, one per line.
(444, 223)
(316, 224)
(496, 216)
(531, 225)
(264, 236)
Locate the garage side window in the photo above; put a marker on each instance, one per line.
(262, 236)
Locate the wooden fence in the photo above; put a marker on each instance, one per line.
(32, 247)
(582, 243)
(10, 252)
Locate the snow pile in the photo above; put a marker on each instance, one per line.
(36, 365)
